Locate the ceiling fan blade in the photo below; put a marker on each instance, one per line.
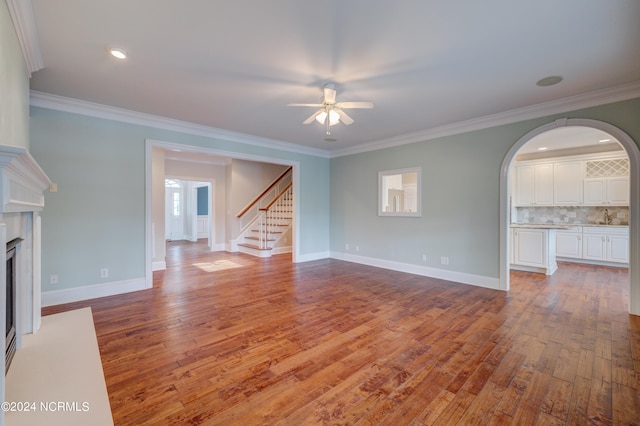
(355, 105)
(329, 94)
(306, 105)
(313, 117)
(344, 117)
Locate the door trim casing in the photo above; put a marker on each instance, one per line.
(633, 152)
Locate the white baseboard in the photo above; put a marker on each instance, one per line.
(312, 256)
(281, 250)
(160, 265)
(459, 277)
(75, 294)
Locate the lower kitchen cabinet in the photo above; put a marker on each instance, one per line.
(569, 243)
(605, 244)
(534, 250)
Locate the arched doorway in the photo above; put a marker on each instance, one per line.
(633, 153)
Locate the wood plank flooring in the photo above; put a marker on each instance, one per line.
(234, 340)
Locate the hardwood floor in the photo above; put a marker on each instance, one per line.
(231, 339)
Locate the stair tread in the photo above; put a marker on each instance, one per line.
(252, 237)
(253, 246)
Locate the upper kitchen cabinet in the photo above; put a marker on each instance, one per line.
(567, 183)
(572, 181)
(534, 185)
(607, 182)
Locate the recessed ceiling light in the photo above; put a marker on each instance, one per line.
(543, 148)
(549, 81)
(604, 140)
(330, 139)
(118, 53)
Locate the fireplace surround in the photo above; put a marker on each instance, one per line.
(22, 186)
(10, 317)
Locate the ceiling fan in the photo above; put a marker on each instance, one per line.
(331, 112)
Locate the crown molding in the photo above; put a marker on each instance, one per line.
(25, 25)
(591, 99)
(61, 103)
(586, 100)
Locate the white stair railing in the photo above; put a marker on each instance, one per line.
(274, 215)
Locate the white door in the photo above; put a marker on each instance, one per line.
(618, 191)
(530, 248)
(174, 218)
(594, 247)
(543, 184)
(618, 248)
(567, 183)
(595, 191)
(524, 186)
(569, 244)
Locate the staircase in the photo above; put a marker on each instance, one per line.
(268, 219)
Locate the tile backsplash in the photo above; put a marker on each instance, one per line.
(569, 215)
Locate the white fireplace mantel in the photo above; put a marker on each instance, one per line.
(22, 180)
(22, 186)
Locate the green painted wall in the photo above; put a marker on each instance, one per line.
(460, 177)
(97, 217)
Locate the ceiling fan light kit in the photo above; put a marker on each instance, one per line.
(331, 112)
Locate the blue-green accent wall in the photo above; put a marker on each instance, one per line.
(460, 193)
(97, 217)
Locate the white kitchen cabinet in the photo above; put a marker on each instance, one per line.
(606, 244)
(618, 248)
(534, 250)
(569, 243)
(534, 184)
(607, 191)
(567, 183)
(618, 191)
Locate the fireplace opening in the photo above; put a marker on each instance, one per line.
(11, 311)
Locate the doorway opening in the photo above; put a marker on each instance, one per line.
(201, 166)
(507, 212)
(188, 210)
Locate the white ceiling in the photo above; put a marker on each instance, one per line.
(567, 138)
(235, 65)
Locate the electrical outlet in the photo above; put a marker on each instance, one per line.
(53, 279)
(346, 246)
(444, 260)
(571, 214)
(357, 248)
(621, 215)
(104, 273)
(424, 257)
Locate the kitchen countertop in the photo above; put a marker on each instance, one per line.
(562, 226)
(541, 225)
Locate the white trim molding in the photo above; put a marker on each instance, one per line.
(75, 294)
(75, 106)
(23, 181)
(633, 152)
(25, 25)
(457, 277)
(559, 106)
